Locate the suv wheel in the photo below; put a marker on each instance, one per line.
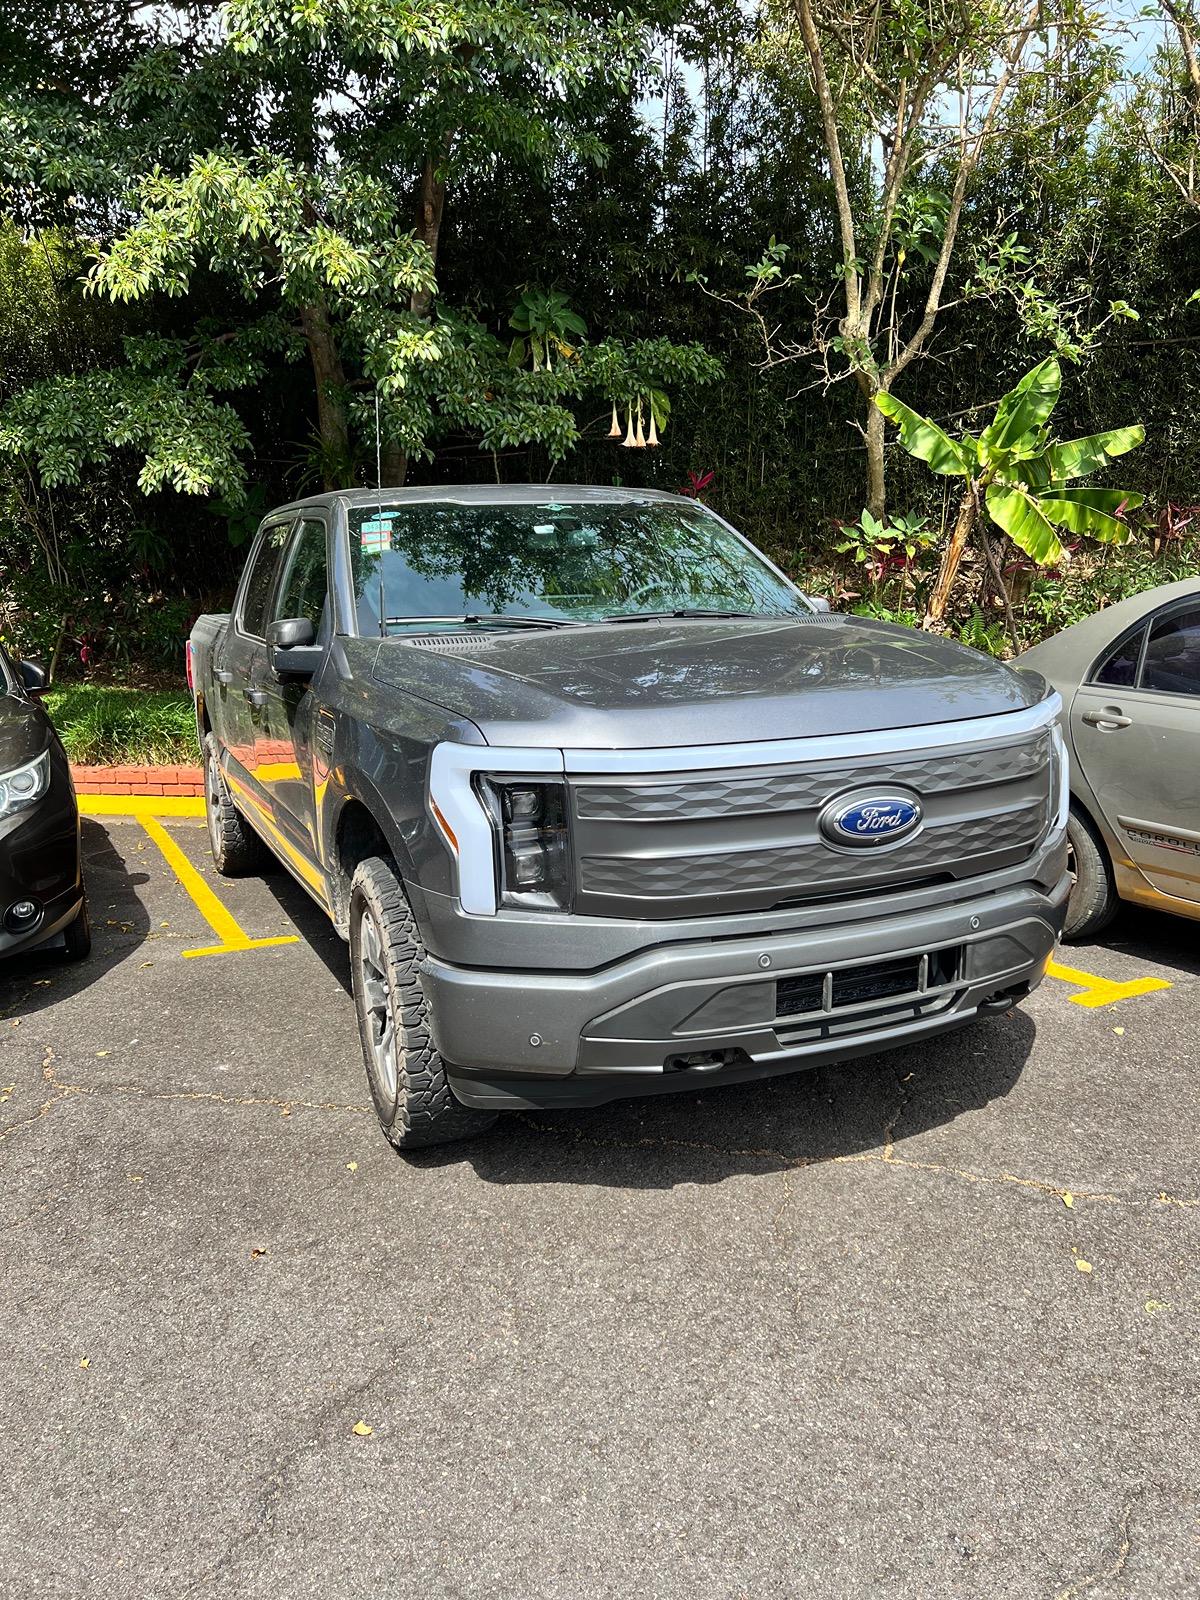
(236, 849)
(1093, 901)
(406, 1074)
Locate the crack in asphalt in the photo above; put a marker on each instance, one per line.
(63, 1091)
(1115, 1568)
(893, 1122)
(885, 1156)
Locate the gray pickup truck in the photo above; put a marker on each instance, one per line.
(605, 806)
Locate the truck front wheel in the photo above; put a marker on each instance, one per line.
(404, 1070)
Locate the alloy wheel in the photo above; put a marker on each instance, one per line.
(378, 1019)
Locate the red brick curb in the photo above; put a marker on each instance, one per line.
(138, 780)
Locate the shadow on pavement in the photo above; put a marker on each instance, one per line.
(120, 923)
(311, 922)
(808, 1117)
(1156, 937)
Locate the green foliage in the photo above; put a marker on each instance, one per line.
(103, 725)
(1022, 474)
(979, 634)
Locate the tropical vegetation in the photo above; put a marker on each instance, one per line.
(253, 250)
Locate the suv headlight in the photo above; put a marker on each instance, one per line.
(533, 857)
(23, 785)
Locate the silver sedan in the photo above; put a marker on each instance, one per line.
(1130, 684)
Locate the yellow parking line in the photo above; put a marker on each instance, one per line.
(141, 805)
(222, 921)
(1103, 991)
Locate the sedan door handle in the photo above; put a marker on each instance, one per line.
(1106, 719)
(256, 697)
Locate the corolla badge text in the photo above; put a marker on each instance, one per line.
(867, 821)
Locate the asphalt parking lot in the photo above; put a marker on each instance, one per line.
(923, 1325)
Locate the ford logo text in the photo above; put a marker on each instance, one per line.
(872, 820)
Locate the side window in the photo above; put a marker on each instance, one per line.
(259, 579)
(1173, 654)
(1119, 666)
(304, 586)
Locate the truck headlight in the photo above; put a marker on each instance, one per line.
(1060, 767)
(533, 858)
(23, 785)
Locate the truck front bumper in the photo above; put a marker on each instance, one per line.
(726, 1010)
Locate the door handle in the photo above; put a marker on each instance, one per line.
(256, 697)
(222, 675)
(1106, 719)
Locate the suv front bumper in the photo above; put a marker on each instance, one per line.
(680, 1014)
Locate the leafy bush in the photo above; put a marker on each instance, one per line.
(103, 725)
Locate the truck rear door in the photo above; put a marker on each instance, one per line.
(284, 758)
(240, 667)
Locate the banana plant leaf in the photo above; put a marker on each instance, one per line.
(1021, 516)
(1079, 458)
(1025, 409)
(926, 441)
(1080, 517)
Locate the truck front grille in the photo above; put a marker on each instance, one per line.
(686, 844)
(847, 988)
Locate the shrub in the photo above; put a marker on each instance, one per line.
(104, 725)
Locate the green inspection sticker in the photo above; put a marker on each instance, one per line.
(376, 535)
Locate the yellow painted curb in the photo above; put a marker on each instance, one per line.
(141, 805)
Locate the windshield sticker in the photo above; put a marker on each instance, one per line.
(376, 535)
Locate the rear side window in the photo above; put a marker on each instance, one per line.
(304, 585)
(1119, 667)
(1173, 654)
(260, 578)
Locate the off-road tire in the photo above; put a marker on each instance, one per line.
(1093, 901)
(77, 935)
(236, 848)
(414, 1101)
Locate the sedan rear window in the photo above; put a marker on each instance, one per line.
(1119, 667)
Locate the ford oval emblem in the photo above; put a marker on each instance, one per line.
(868, 821)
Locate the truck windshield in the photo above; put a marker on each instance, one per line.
(444, 564)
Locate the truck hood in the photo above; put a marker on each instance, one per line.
(653, 685)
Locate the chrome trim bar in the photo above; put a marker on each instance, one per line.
(818, 747)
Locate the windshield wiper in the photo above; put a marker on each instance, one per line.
(683, 611)
(489, 618)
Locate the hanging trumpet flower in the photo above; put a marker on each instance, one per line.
(629, 442)
(615, 431)
(652, 436)
(640, 437)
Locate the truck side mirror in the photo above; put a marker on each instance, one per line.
(33, 678)
(293, 647)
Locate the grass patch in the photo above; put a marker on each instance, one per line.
(101, 725)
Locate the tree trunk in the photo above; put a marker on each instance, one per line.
(330, 379)
(952, 559)
(876, 473)
(431, 206)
